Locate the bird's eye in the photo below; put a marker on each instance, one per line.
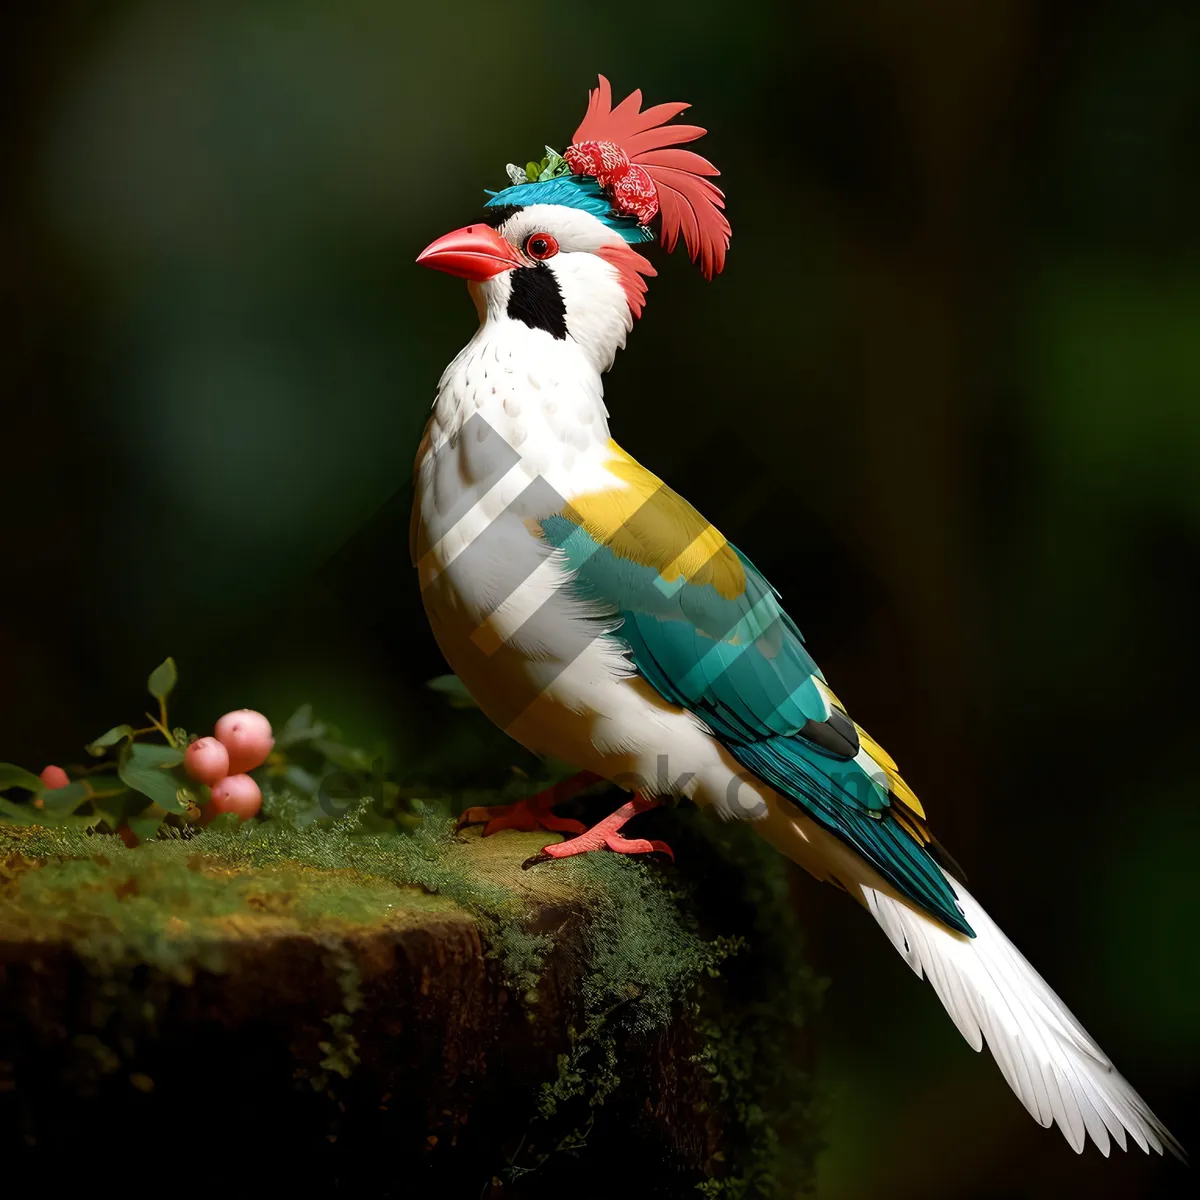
(541, 245)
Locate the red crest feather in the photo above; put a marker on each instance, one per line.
(687, 201)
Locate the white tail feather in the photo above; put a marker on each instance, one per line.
(992, 993)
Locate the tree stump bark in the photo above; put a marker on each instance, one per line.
(391, 1055)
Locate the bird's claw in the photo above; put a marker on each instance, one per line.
(536, 812)
(525, 816)
(614, 842)
(606, 835)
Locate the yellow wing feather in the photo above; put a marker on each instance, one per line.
(887, 764)
(646, 522)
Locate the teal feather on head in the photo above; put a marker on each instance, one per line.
(573, 191)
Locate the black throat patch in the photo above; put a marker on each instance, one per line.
(537, 301)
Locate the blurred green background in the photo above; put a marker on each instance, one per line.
(954, 362)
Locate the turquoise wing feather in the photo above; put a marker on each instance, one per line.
(740, 663)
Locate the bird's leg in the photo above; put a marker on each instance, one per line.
(533, 813)
(607, 834)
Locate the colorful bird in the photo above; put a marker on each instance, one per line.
(598, 618)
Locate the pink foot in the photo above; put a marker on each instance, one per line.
(533, 813)
(607, 835)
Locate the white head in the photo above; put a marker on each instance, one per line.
(556, 269)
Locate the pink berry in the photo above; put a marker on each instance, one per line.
(54, 777)
(206, 761)
(246, 734)
(237, 794)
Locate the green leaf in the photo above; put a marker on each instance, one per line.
(116, 734)
(19, 814)
(452, 690)
(349, 758)
(103, 783)
(302, 780)
(83, 821)
(59, 802)
(162, 680)
(153, 755)
(300, 727)
(146, 828)
(532, 171)
(146, 769)
(114, 808)
(553, 165)
(13, 776)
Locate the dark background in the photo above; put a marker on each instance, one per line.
(945, 394)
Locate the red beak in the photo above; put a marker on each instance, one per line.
(474, 252)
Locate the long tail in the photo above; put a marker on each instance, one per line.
(991, 992)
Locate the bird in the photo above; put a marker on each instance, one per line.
(597, 618)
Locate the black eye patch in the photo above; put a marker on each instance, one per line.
(537, 301)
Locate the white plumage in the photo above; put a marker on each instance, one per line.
(993, 994)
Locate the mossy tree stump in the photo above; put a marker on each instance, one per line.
(400, 1014)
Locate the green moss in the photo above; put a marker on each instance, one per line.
(641, 956)
(180, 904)
(341, 1048)
(753, 1021)
(170, 903)
(655, 947)
(725, 955)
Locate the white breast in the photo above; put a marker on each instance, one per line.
(518, 429)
